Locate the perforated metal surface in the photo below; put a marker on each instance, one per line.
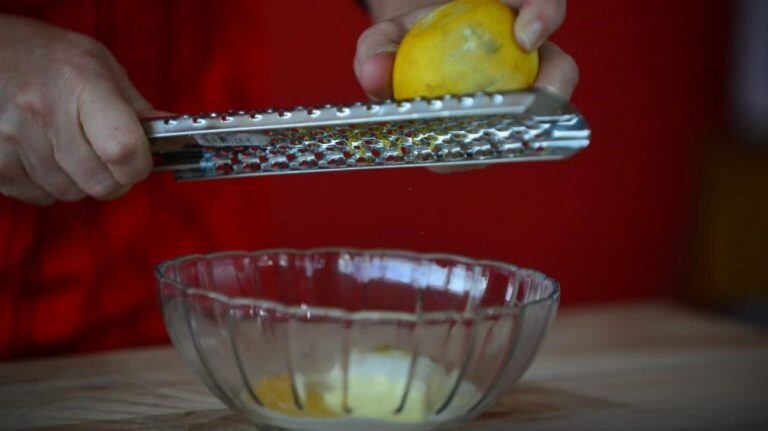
(484, 128)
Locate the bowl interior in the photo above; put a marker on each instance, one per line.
(389, 336)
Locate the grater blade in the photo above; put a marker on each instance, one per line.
(453, 130)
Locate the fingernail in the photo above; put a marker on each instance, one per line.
(366, 79)
(359, 67)
(530, 34)
(390, 47)
(376, 73)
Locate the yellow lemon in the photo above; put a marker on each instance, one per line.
(463, 47)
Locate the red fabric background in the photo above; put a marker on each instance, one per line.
(609, 224)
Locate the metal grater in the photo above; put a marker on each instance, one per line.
(453, 130)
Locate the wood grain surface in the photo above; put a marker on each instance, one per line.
(653, 366)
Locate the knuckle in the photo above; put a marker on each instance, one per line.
(119, 146)
(81, 60)
(382, 32)
(29, 100)
(369, 32)
(366, 35)
(120, 149)
(363, 43)
(77, 73)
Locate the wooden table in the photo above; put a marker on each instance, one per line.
(648, 367)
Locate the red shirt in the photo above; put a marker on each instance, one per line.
(610, 223)
(79, 276)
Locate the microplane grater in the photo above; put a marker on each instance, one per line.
(481, 128)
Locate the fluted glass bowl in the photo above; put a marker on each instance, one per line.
(344, 339)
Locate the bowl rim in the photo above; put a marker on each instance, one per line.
(305, 310)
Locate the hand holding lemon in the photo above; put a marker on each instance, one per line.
(463, 46)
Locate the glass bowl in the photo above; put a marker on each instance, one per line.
(345, 339)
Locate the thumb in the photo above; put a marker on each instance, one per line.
(375, 75)
(375, 57)
(376, 49)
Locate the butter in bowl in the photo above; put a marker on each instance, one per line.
(346, 339)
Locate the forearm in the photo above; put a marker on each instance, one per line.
(381, 10)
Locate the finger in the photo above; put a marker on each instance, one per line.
(111, 126)
(375, 52)
(376, 76)
(558, 72)
(14, 181)
(79, 160)
(27, 156)
(374, 58)
(26, 191)
(537, 20)
(37, 158)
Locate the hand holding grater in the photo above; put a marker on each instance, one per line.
(449, 131)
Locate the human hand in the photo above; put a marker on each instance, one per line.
(536, 21)
(69, 117)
